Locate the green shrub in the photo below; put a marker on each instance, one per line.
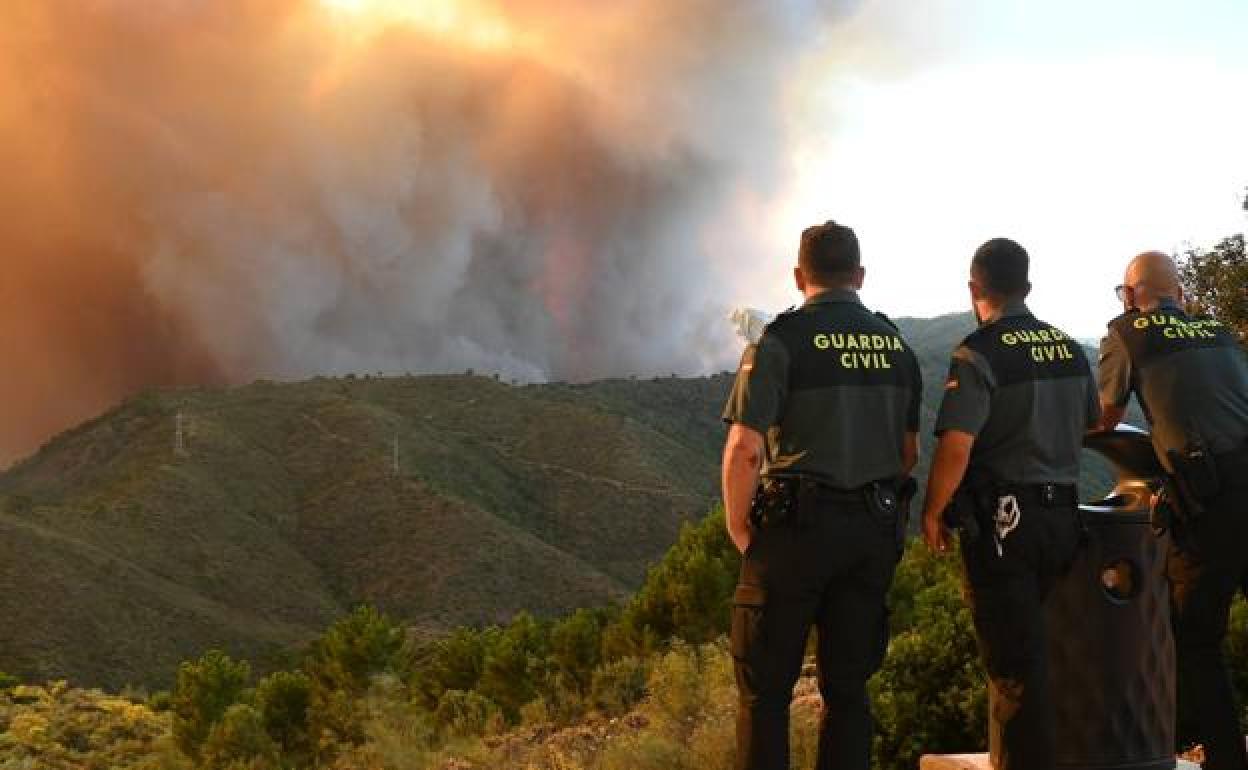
(462, 714)
(930, 696)
(618, 686)
(452, 663)
(204, 691)
(576, 645)
(340, 668)
(283, 701)
(680, 686)
(355, 649)
(8, 682)
(688, 595)
(160, 701)
(240, 741)
(515, 666)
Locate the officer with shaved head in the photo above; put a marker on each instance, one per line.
(1191, 378)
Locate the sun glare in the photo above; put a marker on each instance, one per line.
(464, 20)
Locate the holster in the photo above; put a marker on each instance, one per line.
(972, 504)
(775, 503)
(1193, 481)
(962, 515)
(1162, 515)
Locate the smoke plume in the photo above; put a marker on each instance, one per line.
(218, 190)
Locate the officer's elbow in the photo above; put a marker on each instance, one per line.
(744, 448)
(742, 456)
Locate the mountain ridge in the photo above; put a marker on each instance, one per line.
(444, 500)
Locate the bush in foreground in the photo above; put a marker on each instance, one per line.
(205, 690)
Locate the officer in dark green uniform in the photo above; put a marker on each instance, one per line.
(827, 405)
(1018, 401)
(1191, 378)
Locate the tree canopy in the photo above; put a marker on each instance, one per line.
(1215, 281)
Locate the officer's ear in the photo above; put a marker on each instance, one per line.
(977, 291)
(800, 279)
(858, 277)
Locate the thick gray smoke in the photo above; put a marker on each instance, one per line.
(229, 189)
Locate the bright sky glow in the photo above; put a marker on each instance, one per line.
(465, 20)
(1087, 135)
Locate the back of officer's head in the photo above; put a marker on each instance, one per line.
(829, 255)
(1000, 267)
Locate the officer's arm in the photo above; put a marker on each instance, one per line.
(1111, 416)
(743, 458)
(909, 453)
(963, 413)
(953, 455)
(1113, 375)
(754, 405)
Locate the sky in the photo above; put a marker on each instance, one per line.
(1087, 131)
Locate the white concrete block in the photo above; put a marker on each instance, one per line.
(955, 762)
(981, 762)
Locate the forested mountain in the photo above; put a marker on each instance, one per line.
(250, 518)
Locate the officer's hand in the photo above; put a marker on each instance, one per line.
(935, 534)
(741, 537)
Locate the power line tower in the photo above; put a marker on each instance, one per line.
(179, 435)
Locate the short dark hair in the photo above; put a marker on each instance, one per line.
(1001, 265)
(828, 252)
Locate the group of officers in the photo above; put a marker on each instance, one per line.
(824, 436)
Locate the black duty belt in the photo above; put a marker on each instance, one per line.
(1044, 495)
(825, 491)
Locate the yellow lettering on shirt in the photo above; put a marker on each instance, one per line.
(865, 361)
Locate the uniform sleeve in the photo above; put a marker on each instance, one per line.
(968, 395)
(1113, 371)
(757, 398)
(916, 395)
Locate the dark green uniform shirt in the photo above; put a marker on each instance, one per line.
(1190, 375)
(1024, 389)
(834, 389)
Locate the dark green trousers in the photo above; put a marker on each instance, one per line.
(1006, 591)
(1207, 565)
(833, 575)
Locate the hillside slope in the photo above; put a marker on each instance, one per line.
(122, 557)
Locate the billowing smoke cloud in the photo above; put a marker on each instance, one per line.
(218, 190)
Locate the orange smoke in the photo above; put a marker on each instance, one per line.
(218, 191)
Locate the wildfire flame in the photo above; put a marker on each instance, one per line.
(466, 21)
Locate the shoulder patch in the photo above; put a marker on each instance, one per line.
(784, 316)
(1124, 318)
(886, 320)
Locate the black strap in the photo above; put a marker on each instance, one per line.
(1045, 495)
